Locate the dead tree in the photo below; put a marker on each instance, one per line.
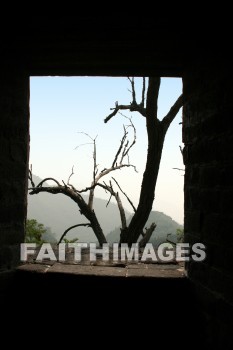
(156, 131)
(120, 160)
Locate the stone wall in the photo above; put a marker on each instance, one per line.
(14, 146)
(155, 50)
(208, 156)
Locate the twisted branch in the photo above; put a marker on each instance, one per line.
(130, 202)
(70, 228)
(133, 90)
(30, 176)
(173, 112)
(147, 235)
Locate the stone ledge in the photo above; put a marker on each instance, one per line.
(130, 270)
(34, 268)
(87, 270)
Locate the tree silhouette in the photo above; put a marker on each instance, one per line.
(156, 132)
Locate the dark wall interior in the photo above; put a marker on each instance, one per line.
(94, 46)
(208, 194)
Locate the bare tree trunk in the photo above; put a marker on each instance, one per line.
(145, 239)
(156, 137)
(156, 131)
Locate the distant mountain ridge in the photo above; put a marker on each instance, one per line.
(165, 225)
(59, 212)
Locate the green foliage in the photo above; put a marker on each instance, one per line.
(180, 235)
(179, 238)
(34, 232)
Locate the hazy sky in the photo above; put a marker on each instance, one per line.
(61, 108)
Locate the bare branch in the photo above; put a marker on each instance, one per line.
(109, 200)
(178, 169)
(64, 183)
(95, 171)
(127, 147)
(68, 181)
(48, 179)
(121, 210)
(77, 198)
(85, 208)
(171, 242)
(145, 239)
(107, 171)
(94, 158)
(143, 91)
(134, 138)
(133, 90)
(118, 200)
(72, 173)
(131, 108)
(113, 114)
(181, 151)
(30, 176)
(110, 189)
(123, 115)
(52, 189)
(84, 133)
(130, 202)
(124, 149)
(93, 186)
(91, 195)
(70, 228)
(83, 144)
(173, 112)
(120, 147)
(87, 143)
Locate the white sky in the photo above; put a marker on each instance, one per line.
(62, 107)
